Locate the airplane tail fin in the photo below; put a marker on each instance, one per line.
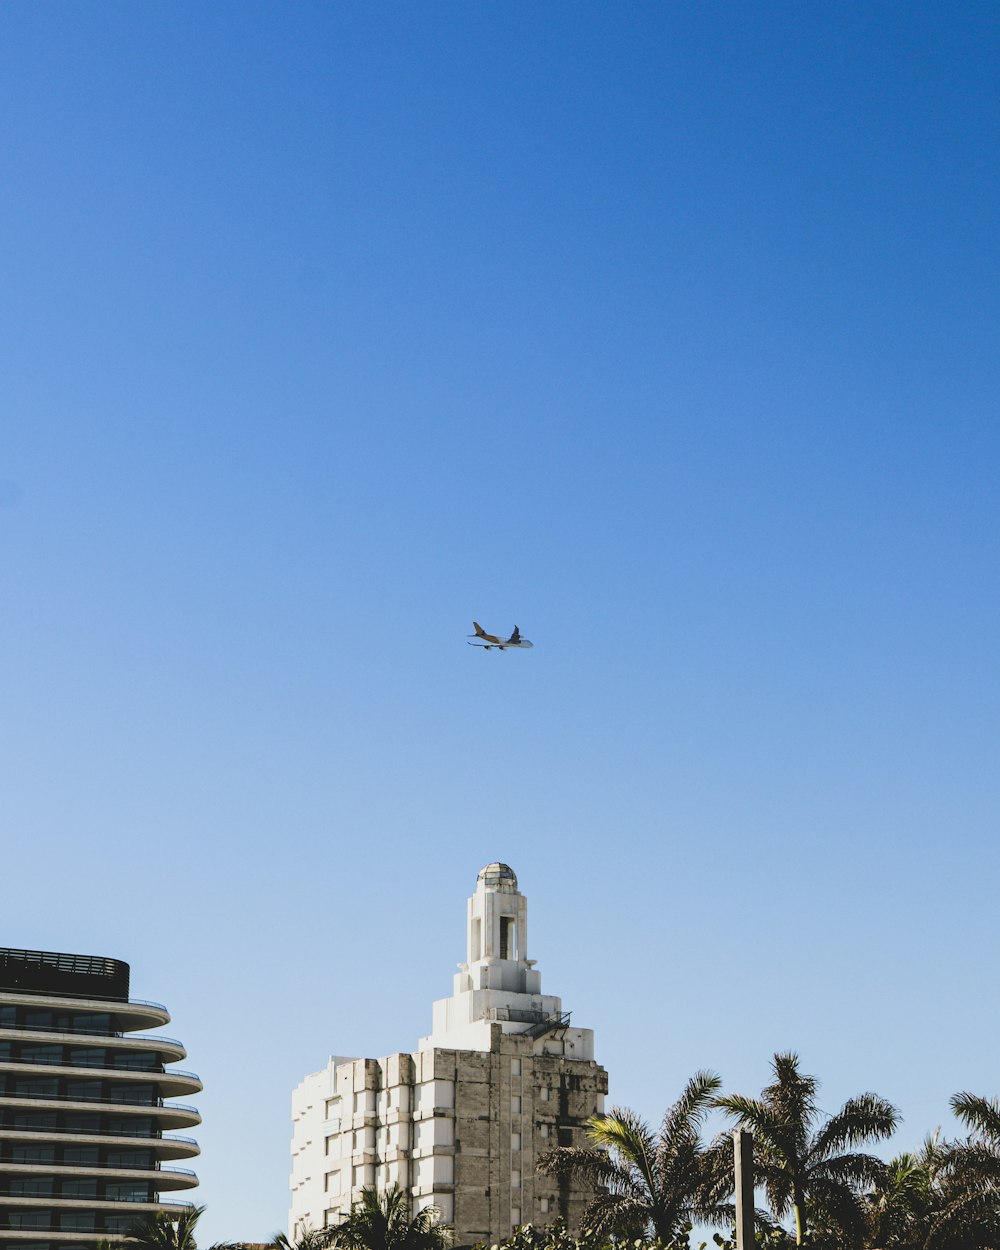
(480, 632)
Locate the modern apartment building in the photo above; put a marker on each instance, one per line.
(460, 1122)
(85, 1146)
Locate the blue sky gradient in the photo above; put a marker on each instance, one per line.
(666, 332)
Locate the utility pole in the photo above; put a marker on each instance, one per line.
(743, 1169)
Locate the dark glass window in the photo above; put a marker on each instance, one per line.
(4, 1051)
(114, 1224)
(130, 1126)
(79, 1189)
(31, 1186)
(127, 1191)
(35, 1119)
(129, 1159)
(29, 1219)
(92, 1024)
(142, 1094)
(78, 1221)
(37, 1019)
(37, 1087)
(81, 1122)
(83, 1091)
(80, 1154)
(41, 1054)
(33, 1154)
(139, 1061)
(87, 1056)
(8, 1017)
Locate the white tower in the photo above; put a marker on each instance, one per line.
(498, 984)
(461, 1122)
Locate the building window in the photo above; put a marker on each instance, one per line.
(80, 1189)
(31, 1188)
(515, 1216)
(515, 1178)
(544, 1091)
(78, 1222)
(37, 1087)
(127, 1158)
(508, 937)
(515, 1141)
(138, 1061)
(543, 1205)
(83, 1091)
(36, 1119)
(127, 1192)
(515, 1104)
(515, 1067)
(141, 1094)
(41, 1054)
(29, 1219)
(33, 1154)
(87, 1057)
(543, 1130)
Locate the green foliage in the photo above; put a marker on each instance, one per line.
(810, 1168)
(381, 1221)
(162, 1230)
(552, 1236)
(651, 1184)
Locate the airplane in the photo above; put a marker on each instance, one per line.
(491, 641)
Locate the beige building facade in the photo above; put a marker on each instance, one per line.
(460, 1122)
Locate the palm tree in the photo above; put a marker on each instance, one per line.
(381, 1221)
(307, 1238)
(651, 1182)
(981, 1153)
(163, 1230)
(972, 1217)
(800, 1161)
(905, 1205)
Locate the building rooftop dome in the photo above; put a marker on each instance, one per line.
(498, 877)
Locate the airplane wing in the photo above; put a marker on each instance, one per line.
(515, 636)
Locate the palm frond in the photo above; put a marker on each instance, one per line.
(980, 1115)
(628, 1138)
(864, 1118)
(858, 1170)
(686, 1116)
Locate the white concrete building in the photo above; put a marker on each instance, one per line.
(460, 1122)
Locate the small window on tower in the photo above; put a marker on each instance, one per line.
(508, 938)
(477, 939)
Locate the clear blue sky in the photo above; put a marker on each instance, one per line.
(666, 332)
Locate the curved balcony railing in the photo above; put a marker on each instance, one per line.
(91, 1063)
(144, 1039)
(102, 1099)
